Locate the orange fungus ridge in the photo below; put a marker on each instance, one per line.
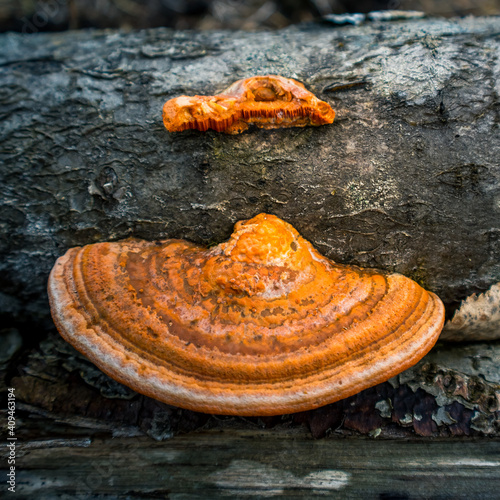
(265, 101)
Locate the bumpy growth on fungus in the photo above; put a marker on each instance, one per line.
(266, 101)
(259, 325)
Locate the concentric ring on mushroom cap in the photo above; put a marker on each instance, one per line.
(259, 325)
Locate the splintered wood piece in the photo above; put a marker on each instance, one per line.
(265, 101)
(259, 325)
(478, 318)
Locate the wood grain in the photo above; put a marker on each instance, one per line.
(258, 464)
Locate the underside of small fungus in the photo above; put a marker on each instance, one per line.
(265, 101)
(259, 325)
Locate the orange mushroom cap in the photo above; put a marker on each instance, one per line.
(266, 101)
(259, 325)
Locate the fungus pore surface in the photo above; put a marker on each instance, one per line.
(265, 101)
(259, 325)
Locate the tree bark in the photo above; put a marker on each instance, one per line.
(407, 179)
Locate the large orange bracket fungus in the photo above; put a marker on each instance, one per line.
(266, 101)
(259, 325)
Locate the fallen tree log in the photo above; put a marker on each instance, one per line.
(406, 179)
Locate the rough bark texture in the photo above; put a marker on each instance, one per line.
(407, 179)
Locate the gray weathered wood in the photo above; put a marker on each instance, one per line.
(259, 464)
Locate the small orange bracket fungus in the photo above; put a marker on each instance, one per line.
(266, 101)
(259, 325)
